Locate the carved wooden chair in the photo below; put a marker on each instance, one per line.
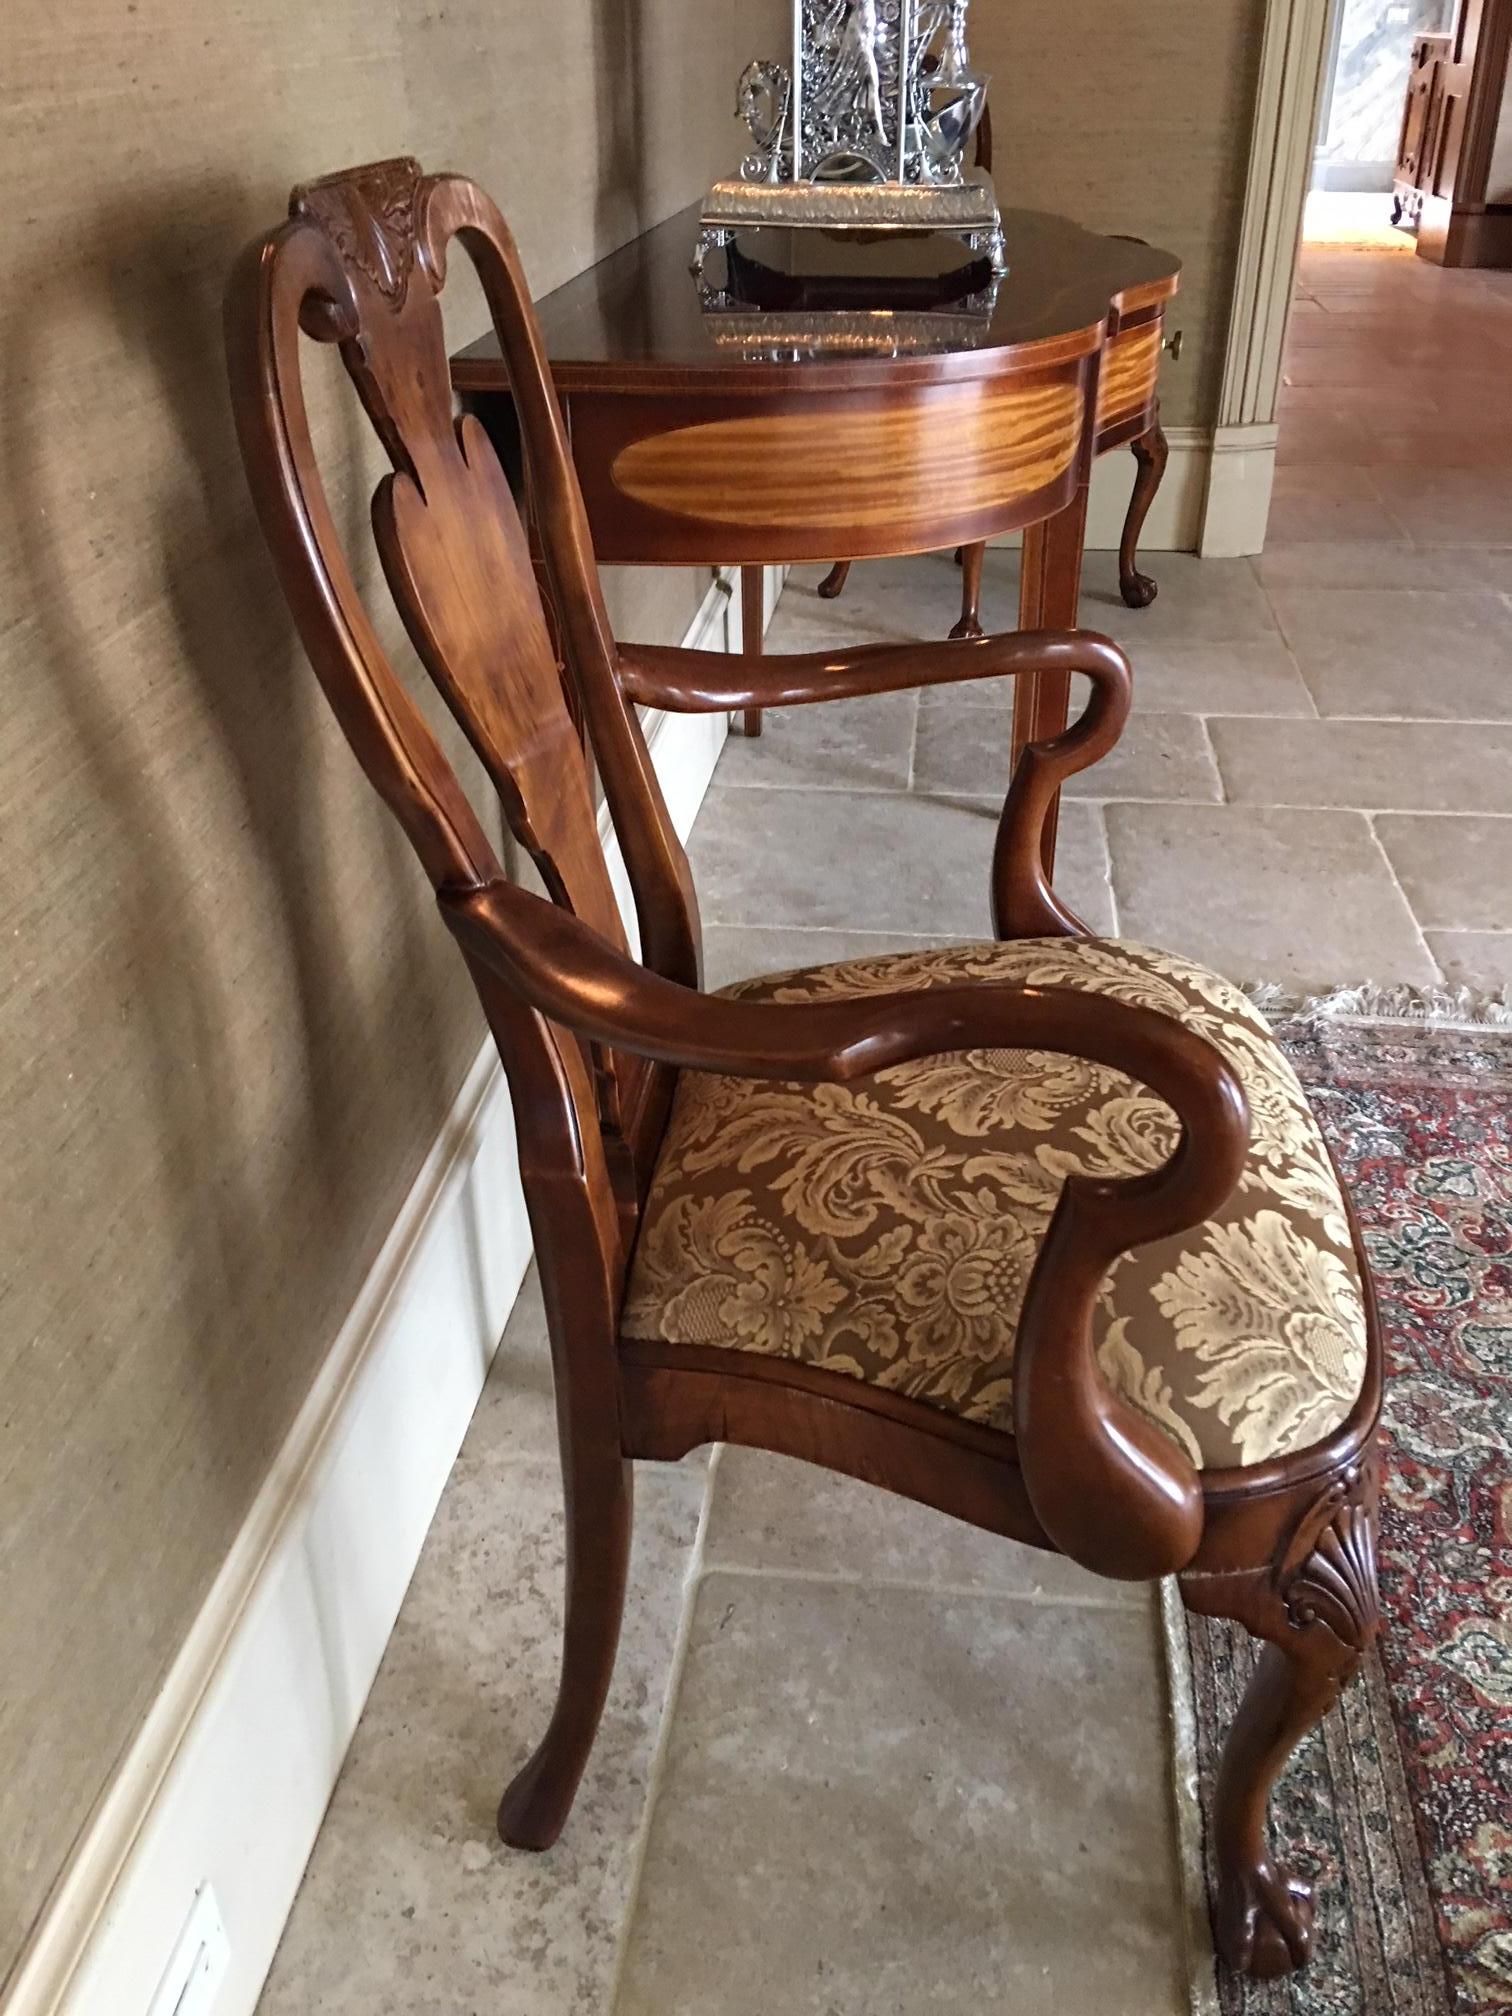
(1039, 1232)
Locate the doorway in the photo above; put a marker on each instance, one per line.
(1366, 122)
(1369, 70)
(1391, 410)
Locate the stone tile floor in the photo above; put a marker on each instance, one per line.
(861, 1761)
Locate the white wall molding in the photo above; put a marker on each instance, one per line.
(1236, 508)
(229, 1776)
(1175, 521)
(1293, 58)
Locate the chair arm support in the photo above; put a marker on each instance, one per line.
(1023, 903)
(714, 682)
(1110, 1489)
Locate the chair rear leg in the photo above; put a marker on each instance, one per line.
(1319, 1611)
(599, 1493)
(834, 582)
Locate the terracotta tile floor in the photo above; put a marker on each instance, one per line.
(860, 1761)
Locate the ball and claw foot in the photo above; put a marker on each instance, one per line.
(1265, 1923)
(1317, 1612)
(968, 626)
(835, 580)
(1138, 590)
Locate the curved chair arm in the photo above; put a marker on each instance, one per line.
(713, 682)
(1023, 903)
(1111, 1489)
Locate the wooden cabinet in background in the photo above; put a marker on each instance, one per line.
(1454, 170)
(1420, 121)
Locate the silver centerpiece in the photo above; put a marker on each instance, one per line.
(866, 128)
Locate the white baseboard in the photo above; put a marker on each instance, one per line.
(1175, 521)
(229, 1777)
(1238, 504)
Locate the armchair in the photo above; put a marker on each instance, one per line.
(1039, 1232)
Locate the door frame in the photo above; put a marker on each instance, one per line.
(1293, 70)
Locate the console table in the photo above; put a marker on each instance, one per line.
(776, 413)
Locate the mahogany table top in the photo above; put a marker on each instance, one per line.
(919, 306)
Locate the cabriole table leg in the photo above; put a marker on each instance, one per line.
(1151, 451)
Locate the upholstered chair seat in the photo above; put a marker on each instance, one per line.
(886, 1229)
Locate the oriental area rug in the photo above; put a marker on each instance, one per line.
(1399, 1809)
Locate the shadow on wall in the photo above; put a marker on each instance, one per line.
(622, 197)
(253, 1121)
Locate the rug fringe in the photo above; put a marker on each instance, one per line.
(1449, 1008)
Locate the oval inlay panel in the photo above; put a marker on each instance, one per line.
(973, 448)
(1130, 367)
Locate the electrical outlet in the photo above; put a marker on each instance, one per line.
(198, 1966)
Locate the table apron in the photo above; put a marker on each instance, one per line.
(811, 475)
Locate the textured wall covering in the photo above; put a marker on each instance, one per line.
(1135, 116)
(229, 1022)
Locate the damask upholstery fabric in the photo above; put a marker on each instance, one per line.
(886, 1229)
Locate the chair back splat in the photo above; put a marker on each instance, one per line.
(361, 262)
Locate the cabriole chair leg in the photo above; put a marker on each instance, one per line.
(535, 1807)
(1319, 1611)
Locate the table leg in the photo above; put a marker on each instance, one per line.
(1151, 451)
(1049, 599)
(752, 629)
(972, 556)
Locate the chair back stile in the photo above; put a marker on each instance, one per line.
(361, 263)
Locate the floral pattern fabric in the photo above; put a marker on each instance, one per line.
(887, 1229)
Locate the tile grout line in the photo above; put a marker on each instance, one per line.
(659, 1755)
(847, 1579)
(1211, 747)
(1312, 698)
(1287, 644)
(823, 930)
(1129, 798)
(1396, 882)
(1107, 844)
(1403, 811)
(1308, 805)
